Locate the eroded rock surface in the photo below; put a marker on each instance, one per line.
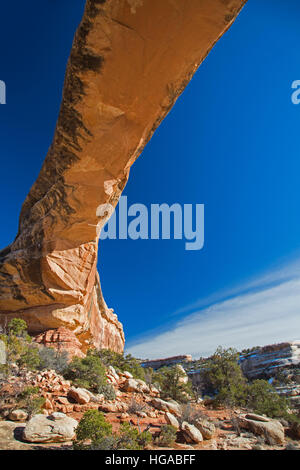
(129, 63)
(55, 428)
(61, 339)
(268, 359)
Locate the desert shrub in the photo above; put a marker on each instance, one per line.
(150, 376)
(18, 327)
(107, 390)
(263, 399)
(223, 378)
(135, 407)
(87, 372)
(94, 428)
(167, 436)
(50, 358)
(128, 437)
(121, 363)
(31, 401)
(171, 385)
(144, 438)
(19, 348)
(190, 414)
(29, 357)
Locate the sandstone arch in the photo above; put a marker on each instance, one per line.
(130, 61)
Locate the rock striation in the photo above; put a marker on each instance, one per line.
(267, 360)
(167, 361)
(129, 62)
(61, 339)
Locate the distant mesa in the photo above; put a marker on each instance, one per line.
(268, 359)
(166, 362)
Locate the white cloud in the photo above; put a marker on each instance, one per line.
(267, 313)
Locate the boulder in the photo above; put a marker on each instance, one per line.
(55, 428)
(135, 385)
(192, 432)
(112, 372)
(18, 415)
(166, 406)
(154, 391)
(144, 388)
(127, 374)
(207, 428)
(172, 420)
(271, 429)
(110, 407)
(80, 395)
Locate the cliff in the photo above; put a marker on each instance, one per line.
(268, 359)
(167, 361)
(129, 62)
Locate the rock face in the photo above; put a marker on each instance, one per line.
(80, 395)
(167, 406)
(61, 339)
(129, 62)
(167, 361)
(266, 360)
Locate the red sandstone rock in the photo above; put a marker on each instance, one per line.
(129, 63)
(61, 339)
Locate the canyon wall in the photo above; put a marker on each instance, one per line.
(129, 62)
(267, 360)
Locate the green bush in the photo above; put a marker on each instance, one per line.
(31, 401)
(223, 377)
(167, 436)
(144, 438)
(18, 327)
(94, 433)
(87, 372)
(19, 348)
(171, 386)
(29, 357)
(93, 427)
(263, 399)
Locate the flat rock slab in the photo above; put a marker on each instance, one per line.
(11, 439)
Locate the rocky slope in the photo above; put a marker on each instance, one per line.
(137, 403)
(130, 61)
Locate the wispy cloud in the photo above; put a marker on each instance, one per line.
(264, 311)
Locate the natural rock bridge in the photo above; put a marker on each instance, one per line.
(130, 61)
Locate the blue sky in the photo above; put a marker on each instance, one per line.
(231, 142)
